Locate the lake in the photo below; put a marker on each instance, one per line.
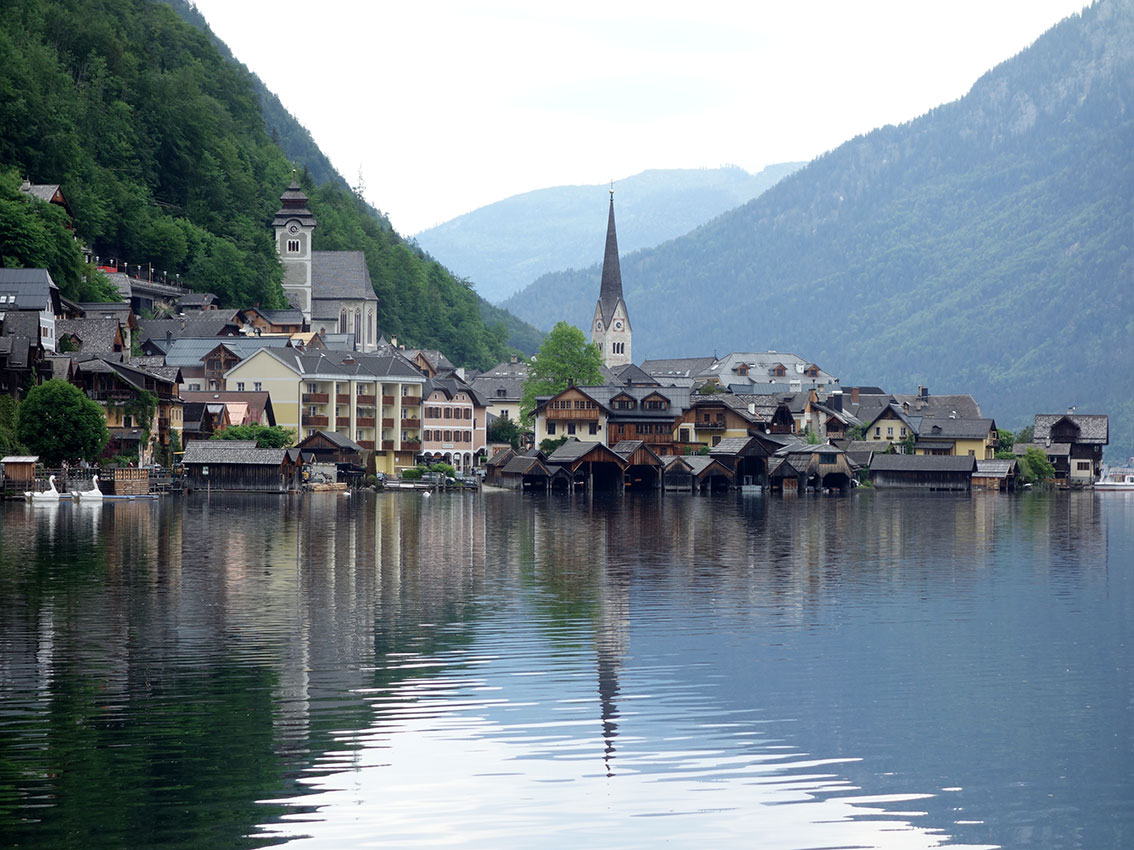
(496, 670)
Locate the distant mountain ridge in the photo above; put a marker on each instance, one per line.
(506, 245)
(987, 246)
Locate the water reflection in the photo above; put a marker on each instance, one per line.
(396, 671)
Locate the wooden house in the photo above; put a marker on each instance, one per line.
(745, 457)
(1085, 434)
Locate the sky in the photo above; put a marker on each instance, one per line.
(444, 106)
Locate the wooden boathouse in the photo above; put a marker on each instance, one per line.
(924, 472)
(238, 465)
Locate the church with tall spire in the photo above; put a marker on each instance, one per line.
(610, 328)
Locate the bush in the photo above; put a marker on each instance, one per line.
(412, 474)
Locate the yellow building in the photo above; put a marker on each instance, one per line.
(374, 400)
(973, 437)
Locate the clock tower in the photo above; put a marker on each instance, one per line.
(294, 225)
(610, 328)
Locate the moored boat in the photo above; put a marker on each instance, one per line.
(1117, 479)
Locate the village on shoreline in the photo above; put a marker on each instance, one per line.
(366, 411)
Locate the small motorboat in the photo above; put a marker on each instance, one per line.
(47, 496)
(92, 496)
(1117, 479)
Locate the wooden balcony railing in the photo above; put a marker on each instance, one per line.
(366, 400)
(364, 421)
(342, 398)
(387, 445)
(320, 421)
(387, 422)
(388, 399)
(366, 444)
(411, 423)
(315, 398)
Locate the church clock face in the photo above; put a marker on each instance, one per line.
(598, 326)
(618, 325)
(293, 229)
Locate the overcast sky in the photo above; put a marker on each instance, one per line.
(447, 106)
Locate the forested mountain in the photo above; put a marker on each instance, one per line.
(160, 145)
(505, 246)
(984, 247)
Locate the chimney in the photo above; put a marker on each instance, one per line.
(854, 395)
(394, 341)
(169, 337)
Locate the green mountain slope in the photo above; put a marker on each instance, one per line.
(986, 246)
(504, 246)
(161, 148)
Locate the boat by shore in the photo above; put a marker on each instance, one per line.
(1121, 480)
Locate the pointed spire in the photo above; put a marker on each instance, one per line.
(293, 205)
(610, 293)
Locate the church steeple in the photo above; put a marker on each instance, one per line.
(294, 225)
(610, 329)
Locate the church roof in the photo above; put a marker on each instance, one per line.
(293, 205)
(610, 293)
(337, 275)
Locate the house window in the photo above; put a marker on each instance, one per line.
(592, 428)
(194, 388)
(903, 431)
(214, 364)
(716, 439)
(240, 386)
(889, 430)
(293, 246)
(257, 386)
(550, 427)
(1083, 465)
(448, 436)
(826, 458)
(570, 427)
(312, 388)
(127, 421)
(878, 432)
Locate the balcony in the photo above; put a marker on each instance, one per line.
(388, 399)
(342, 398)
(368, 400)
(315, 398)
(411, 423)
(387, 423)
(316, 421)
(366, 444)
(387, 445)
(364, 422)
(712, 425)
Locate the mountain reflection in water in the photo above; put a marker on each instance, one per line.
(494, 671)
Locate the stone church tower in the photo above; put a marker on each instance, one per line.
(294, 225)
(610, 329)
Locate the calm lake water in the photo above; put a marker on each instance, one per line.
(491, 670)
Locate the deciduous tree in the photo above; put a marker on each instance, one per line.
(564, 358)
(58, 422)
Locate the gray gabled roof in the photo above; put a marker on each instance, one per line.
(1054, 450)
(1093, 427)
(995, 468)
(955, 429)
(343, 442)
(923, 463)
(334, 363)
(680, 367)
(213, 323)
(241, 452)
(524, 465)
(95, 335)
(27, 289)
(340, 274)
(959, 405)
(190, 351)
